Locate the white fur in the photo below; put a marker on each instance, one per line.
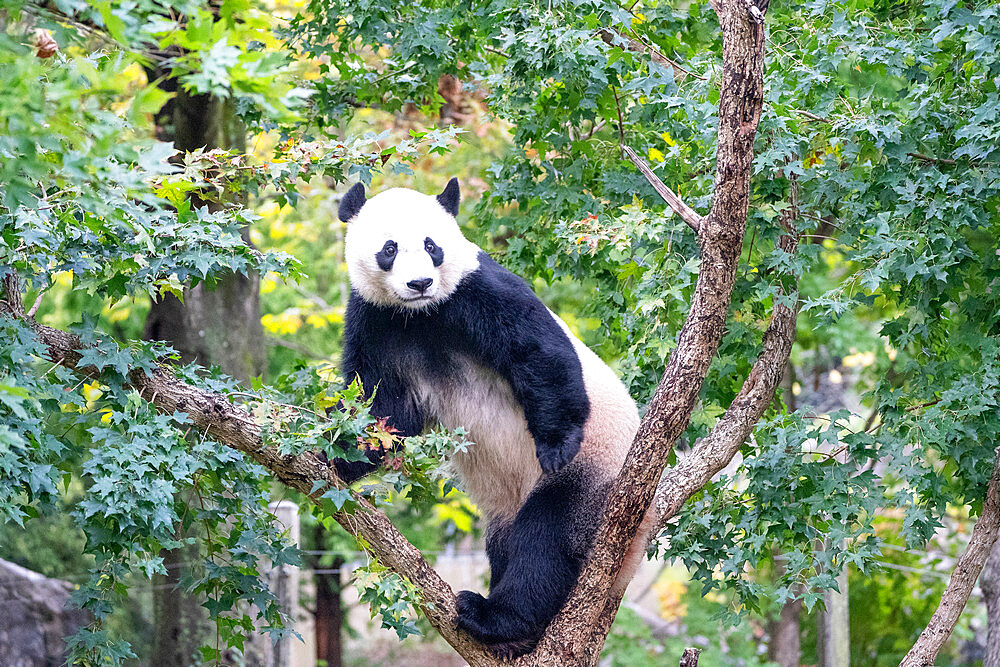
(406, 217)
(500, 469)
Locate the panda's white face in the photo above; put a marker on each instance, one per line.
(404, 250)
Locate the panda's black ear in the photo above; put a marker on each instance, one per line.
(450, 197)
(352, 202)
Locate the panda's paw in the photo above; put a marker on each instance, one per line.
(502, 636)
(471, 606)
(554, 457)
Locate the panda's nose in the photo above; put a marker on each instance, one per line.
(420, 285)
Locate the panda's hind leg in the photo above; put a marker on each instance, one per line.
(534, 561)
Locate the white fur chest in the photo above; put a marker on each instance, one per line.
(500, 469)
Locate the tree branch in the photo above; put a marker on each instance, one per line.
(686, 213)
(617, 38)
(235, 427)
(717, 449)
(577, 632)
(963, 579)
(690, 657)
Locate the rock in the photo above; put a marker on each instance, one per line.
(34, 618)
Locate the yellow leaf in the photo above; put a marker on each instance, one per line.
(269, 210)
(316, 321)
(92, 391)
(324, 400)
(656, 155)
(668, 139)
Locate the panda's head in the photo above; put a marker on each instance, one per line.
(403, 248)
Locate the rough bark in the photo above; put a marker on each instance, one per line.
(690, 657)
(989, 583)
(577, 633)
(963, 579)
(715, 451)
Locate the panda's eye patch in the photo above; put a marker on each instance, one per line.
(387, 255)
(435, 251)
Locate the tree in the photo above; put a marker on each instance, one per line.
(212, 326)
(863, 139)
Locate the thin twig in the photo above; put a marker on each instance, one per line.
(928, 158)
(637, 45)
(38, 302)
(496, 51)
(913, 408)
(686, 213)
(811, 116)
(264, 399)
(621, 125)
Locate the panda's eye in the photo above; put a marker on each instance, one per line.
(389, 249)
(429, 246)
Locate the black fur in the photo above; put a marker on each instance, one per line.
(434, 250)
(450, 197)
(387, 255)
(494, 318)
(352, 202)
(534, 561)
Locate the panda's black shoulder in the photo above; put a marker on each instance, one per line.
(493, 285)
(491, 302)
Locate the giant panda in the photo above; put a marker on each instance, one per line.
(440, 334)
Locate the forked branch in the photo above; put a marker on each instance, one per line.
(578, 631)
(714, 452)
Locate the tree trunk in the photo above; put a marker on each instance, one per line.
(989, 582)
(834, 626)
(219, 326)
(785, 647)
(329, 612)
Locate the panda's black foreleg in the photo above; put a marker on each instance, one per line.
(534, 562)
